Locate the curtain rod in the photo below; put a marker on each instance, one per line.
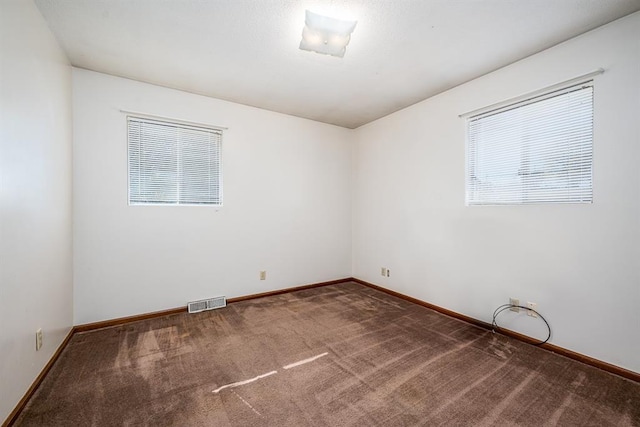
(533, 94)
(179, 121)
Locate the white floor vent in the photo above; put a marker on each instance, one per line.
(207, 304)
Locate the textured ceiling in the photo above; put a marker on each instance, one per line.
(246, 51)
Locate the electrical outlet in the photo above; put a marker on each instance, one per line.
(514, 301)
(263, 275)
(388, 273)
(532, 306)
(383, 271)
(39, 339)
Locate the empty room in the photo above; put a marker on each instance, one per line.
(320, 213)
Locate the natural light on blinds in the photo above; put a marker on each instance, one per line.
(173, 164)
(535, 151)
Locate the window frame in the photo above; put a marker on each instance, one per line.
(527, 193)
(178, 124)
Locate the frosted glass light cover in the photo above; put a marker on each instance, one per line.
(326, 35)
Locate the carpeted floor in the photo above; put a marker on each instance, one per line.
(341, 355)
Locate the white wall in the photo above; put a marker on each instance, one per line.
(579, 263)
(287, 193)
(35, 198)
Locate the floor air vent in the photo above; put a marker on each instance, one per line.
(207, 304)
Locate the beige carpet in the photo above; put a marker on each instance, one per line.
(341, 355)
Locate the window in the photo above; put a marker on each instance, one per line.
(535, 151)
(173, 164)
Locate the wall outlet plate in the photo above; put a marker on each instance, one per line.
(39, 339)
(383, 271)
(514, 301)
(263, 275)
(532, 306)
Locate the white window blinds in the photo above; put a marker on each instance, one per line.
(534, 151)
(173, 164)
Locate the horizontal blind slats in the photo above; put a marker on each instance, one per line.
(173, 163)
(538, 151)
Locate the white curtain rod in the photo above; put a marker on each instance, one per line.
(533, 94)
(171, 119)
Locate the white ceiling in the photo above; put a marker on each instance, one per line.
(246, 51)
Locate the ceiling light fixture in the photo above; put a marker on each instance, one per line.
(325, 35)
